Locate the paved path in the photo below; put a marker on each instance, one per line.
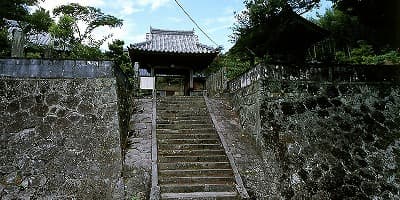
(252, 168)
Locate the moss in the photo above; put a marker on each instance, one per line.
(310, 103)
(323, 102)
(332, 91)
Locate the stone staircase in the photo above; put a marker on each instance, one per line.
(192, 163)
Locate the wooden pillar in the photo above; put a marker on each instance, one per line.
(152, 74)
(191, 79)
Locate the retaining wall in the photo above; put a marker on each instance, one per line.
(60, 134)
(333, 130)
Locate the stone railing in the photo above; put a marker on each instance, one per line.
(217, 83)
(247, 78)
(326, 73)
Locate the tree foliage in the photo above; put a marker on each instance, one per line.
(378, 20)
(29, 23)
(259, 11)
(362, 32)
(82, 51)
(39, 21)
(15, 9)
(69, 38)
(63, 32)
(234, 64)
(92, 17)
(341, 26)
(121, 59)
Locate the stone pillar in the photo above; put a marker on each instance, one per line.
(17, 48)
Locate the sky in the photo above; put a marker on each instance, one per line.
(215, 17)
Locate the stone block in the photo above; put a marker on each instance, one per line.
(59, 150)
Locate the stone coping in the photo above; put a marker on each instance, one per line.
(42, 68)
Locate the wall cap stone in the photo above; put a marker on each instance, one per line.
(44, 68)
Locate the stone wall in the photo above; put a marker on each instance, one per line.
(216, 83)
(137, 165)
(247, 104)
(59, 130)
(333, 131)
(126, 106)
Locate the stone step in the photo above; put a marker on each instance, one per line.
(170, 98)
(191, 152)
(184, 140)
(190, 115)
(189, 146)
(196, 179)
(161, 131)
(188, 136)
(194, 165)
(184, 121)
(185, 114)
(196, 111)
(182, 106)
(173, 109)
(175, 118)
(186, 158)
(185, 131)
(200, 196)
(188, 106)
(188, 188)
(197, 173)
(184, 126)
(180, 99)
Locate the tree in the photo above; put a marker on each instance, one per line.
(14, 9)
(259, 11)
(119, 57)
(63, 33)
(342, 27)
(92, 17)
(38, 22)
(17, 11)
(362, 31)
(378, 20)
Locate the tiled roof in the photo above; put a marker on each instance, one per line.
(172, 41)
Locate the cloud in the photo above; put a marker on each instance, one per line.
(154, 4)
(218, 28)
(127, 7)
(229, 10)
(51, 4)
(229, 19)
(176, 19)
